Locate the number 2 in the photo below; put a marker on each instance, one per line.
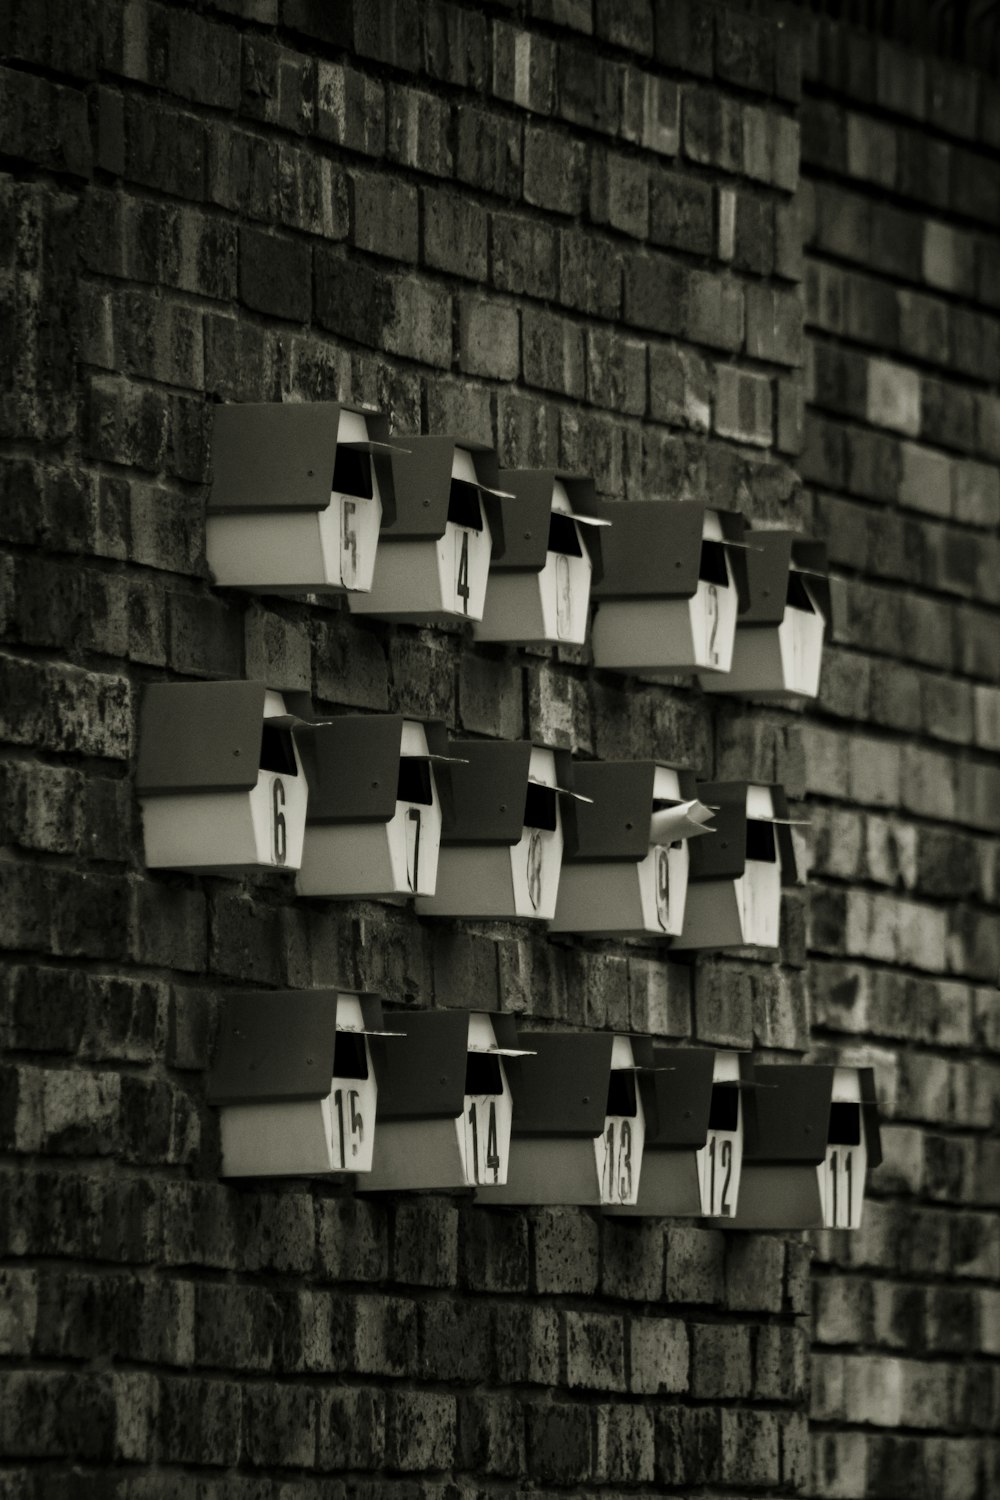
(278, 821)
(712, 610)
(462, 584)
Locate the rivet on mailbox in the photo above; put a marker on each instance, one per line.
(812, 1139)
(539, 586)
(295, 1079)
(580, 1104)
(299, 491)
(219, 778)
(445, 1106)
(672, 582)
(625, 867)
(779, 635)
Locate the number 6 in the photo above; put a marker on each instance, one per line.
(280, 840)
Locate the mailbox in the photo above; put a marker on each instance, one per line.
(813, 1137)
(779, 634)
(735, 879)
(672, 583)
(295, 1080)
(625, 868)
(374, 824)
(219, 778)
(539, 587)
(694, 1135)
(580, 1105)
(434, 553)
(501, 838)
(445, 1107)
(299, 491)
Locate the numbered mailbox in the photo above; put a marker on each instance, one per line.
(539, 585)
(445, 1107)
(814, 1136)
(220, 779)
(580, 1106)
(694, 1134)
(674, 575)
(735, 879)
(375, 791)
(434, 554)
(779, 633)
(299, 491)
(625, 867)
(501, 838)
(295, 1081)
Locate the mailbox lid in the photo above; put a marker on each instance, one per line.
(653, 547)
(527, 513)
(423, 1070)
(790, 1120)
(352, 766)
(724, 856)
(421, 484)
(200, 736)
(562, 1090)
(278, 1045)
(615, 824)
(274, 455)
(682, 1085)
(488, 789)
(771, 558)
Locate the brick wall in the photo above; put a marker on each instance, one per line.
(569, 229)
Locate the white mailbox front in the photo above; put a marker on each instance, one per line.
(779, 634)
(814, 1138)
(374, 824)
(445, 1106)
(434, 552)
(625, 866)
(501, 838)
(294, 1077)
(298, 495)
(672, 581)
(579, 1119)
(219, 778)
(539, 586)
(735, 879)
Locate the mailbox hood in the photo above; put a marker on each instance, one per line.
(425, 1067)
(771, 557)
(489, 784)
(616, 823)
(422, 478)
(527, 513)
(724, 857)
(791, 1119)
(653, 549)
(203, 736)
(562, 1088)
(352, 767)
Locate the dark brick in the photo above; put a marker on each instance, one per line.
(384, 216)
(454, 234)
(489, 152)
(684, 36)
(682, 213)
(275, 275)
(558, 1440)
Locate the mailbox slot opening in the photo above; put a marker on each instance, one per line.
(540, 807)
(724, 1109)
(277, 753)
(760, 840)
(563, 535)
(483, 1074)
(845, 1125)
(352, 473)
(414, 781)
(465, 504)
(712, 568)
(798, 594)
(349, 1056)
(621, 1092)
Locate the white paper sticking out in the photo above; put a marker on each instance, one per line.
(685, 821)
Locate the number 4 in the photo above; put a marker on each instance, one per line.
(462, 585)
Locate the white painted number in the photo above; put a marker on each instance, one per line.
(280, 840)
(350, 1124)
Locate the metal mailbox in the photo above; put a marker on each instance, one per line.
(501, 837)
(625, 866)
(779, 634)
(580, 1106)
(219, 778)
(434, 553)
(539, 585)
(813, 1138)
(374, 821)
(735, 879)
(671, 587)
(299, 491)
(295, 1081)
(445, 1107)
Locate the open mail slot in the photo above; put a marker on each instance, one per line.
(298, 495)
(779, 634)
(580, 1103)
(434, 553)
(625, 867)
(219, 778)
(671, 587)
(374, 825)
(694, 1135)
(295, 1081)
(445, 1108)
(814, 1137)
(735, 879)
(501, 837)
(539, 587)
